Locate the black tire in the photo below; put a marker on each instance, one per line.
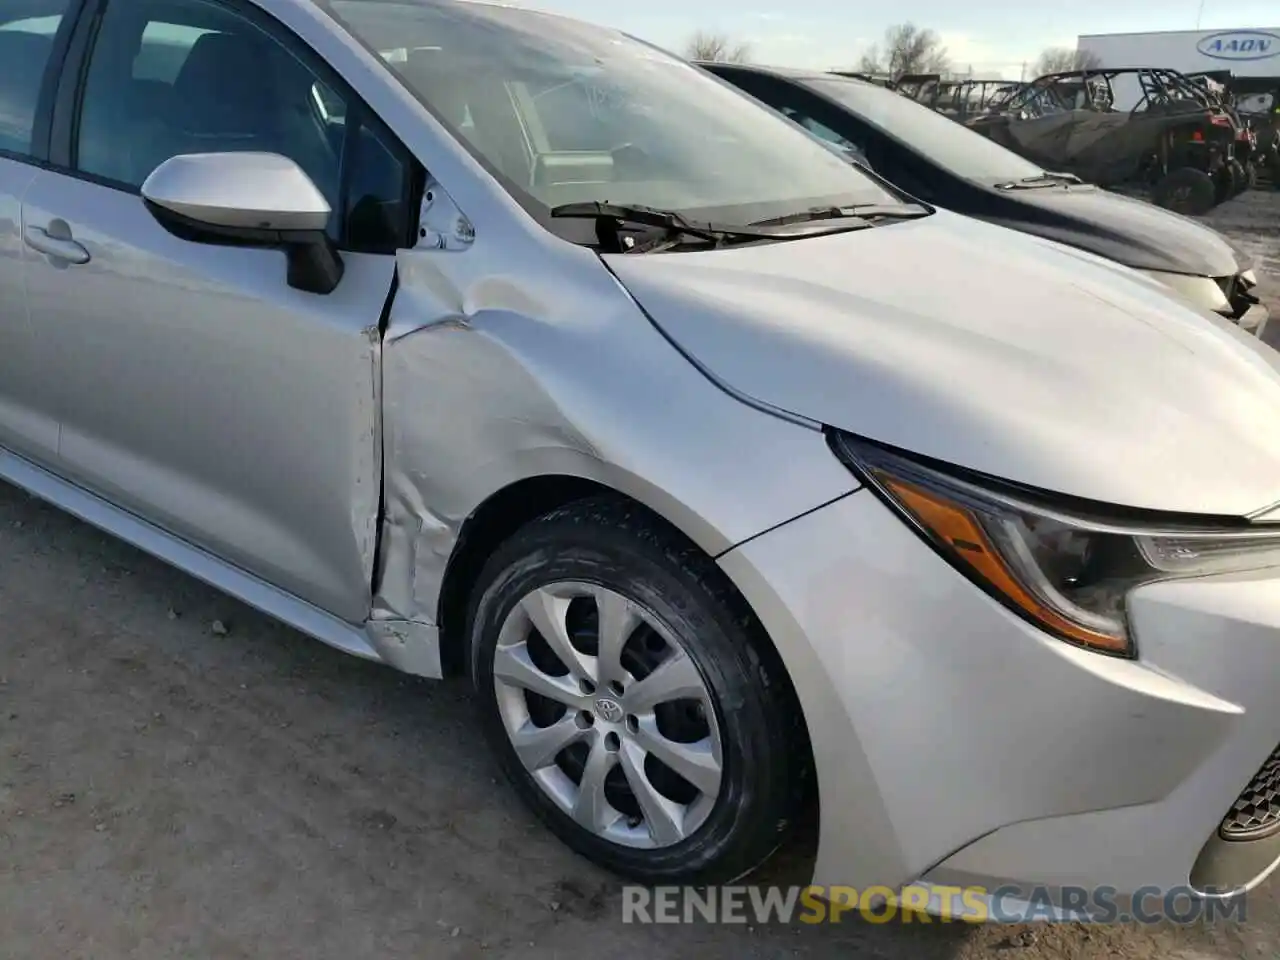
(1187, 191)
(1251, 176)
(1226, 185)
(616, 545)
(1240, 176)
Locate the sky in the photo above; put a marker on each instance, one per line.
(992, 36)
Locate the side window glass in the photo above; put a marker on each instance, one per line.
(164, 49)
(26, 41)
(172, 77)
(817, 129)
(331, 107)
(826, 133)
(378, 213)
(851, 150)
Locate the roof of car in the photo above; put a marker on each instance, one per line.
(793, 73)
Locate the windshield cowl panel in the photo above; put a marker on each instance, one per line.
(563, 112)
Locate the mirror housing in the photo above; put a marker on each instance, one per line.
(248, 199)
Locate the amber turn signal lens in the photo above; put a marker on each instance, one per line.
(957, 529)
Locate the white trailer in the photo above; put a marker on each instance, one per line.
(1251, 52)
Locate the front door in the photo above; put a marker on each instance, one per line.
(29, 33)
(196, 387)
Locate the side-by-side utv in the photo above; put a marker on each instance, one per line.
(1143, 125)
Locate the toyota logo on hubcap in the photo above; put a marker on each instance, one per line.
(608, 710)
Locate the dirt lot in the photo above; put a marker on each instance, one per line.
(1253, 222)
(172, 790)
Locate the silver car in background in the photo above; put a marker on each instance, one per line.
(482, 342)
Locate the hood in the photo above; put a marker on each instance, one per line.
(1126, 230)
(987, 349)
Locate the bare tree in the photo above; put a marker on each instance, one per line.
(704, 45)
(1062, 59)
(907, 49)
(870, 62)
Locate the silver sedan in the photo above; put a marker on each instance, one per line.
(742, 487)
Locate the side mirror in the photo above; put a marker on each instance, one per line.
(248, 199)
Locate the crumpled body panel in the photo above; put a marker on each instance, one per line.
(550, 369)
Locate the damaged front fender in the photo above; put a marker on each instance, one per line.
(501, 365)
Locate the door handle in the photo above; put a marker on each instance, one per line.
(61, 248)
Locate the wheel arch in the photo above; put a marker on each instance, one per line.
(509, 507)
(493, 521)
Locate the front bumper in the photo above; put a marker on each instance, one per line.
(1254, 320)
(957, 744)
(1232, 297)
(1243, 305)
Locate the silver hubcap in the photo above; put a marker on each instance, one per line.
(609, 714)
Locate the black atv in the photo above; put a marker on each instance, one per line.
(1221, 88)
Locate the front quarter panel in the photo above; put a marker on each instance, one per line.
(511, 360)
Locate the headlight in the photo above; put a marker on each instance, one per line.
(1067, 570)
(1200, 292)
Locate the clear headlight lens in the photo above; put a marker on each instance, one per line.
(1201, 292)
(1067, 573)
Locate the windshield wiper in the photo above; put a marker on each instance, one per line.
(1045, 179)
(612, 219)
(866, 212)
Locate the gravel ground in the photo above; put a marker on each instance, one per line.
(175, 787)
(1252, 220)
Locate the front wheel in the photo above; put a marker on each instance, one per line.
(632, 699)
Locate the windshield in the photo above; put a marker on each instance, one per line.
(948, 144)
(564, 112)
